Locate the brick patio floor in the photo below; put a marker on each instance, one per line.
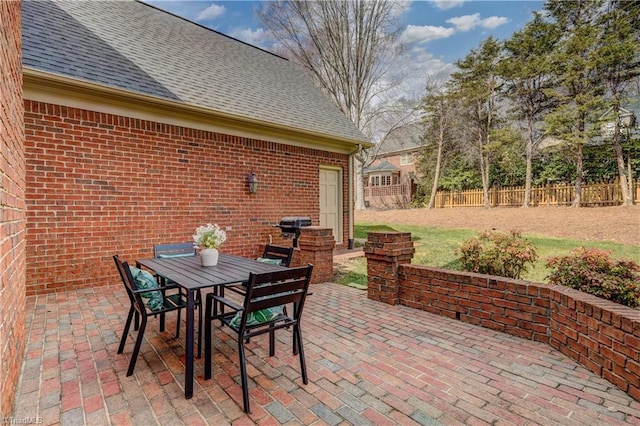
(368, 363)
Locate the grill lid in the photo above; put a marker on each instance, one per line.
(294, 222)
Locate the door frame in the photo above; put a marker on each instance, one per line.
(339, 239)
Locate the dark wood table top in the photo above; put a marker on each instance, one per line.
(191, 275)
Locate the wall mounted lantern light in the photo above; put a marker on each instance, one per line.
(252, 181)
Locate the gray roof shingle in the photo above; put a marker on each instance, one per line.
(405, 138)
(136, 47)
(382, 166)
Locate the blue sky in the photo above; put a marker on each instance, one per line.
(436, 33)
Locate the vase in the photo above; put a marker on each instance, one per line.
(209, 257)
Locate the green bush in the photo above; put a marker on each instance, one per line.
(497, 253)
(593, 271)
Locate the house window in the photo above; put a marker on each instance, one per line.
(381, 180)
(406, 159)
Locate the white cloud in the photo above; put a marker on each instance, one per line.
(494, 21)
(425, 33)
(448, 4)
(415, 69)
(466, 22)
(212, 12)
(469, 22)
(426, 64)
(258, 37)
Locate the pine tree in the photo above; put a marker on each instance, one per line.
(526, 70)
(478, 86)
(578, 90)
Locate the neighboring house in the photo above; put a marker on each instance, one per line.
(627, 121)
(141, 126)
(391, 179)
(628, 125)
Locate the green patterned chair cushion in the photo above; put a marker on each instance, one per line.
(258, 317)
(145, 280)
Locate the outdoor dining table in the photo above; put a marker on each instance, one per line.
(188, 273)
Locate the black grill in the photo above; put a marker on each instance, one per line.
(290, 227)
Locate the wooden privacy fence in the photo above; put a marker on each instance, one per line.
(599, 194)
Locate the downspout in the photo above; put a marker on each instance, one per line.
(351, 177)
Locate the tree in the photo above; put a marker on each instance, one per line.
(526, 71)
(618, 62)
(440, 119)
(578, 90)
(508, 168)
(348, 47)
(477, 85)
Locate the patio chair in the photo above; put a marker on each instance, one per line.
(159, 303)
(275, 254)
(260, 313)
(171, 250)
(174, 250)
(272, 254)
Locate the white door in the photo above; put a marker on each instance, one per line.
(330, 197)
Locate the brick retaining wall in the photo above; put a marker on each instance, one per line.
(601, 335)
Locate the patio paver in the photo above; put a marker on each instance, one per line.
(369, 364)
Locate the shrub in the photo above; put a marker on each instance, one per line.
(594, 272)
(497, 253)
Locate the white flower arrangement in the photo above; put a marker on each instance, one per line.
(209, 236)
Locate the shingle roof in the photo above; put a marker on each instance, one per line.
(135, 47)
(382, 166)
(405, 138)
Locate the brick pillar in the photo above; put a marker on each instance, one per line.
(385, 251)
(316, 247)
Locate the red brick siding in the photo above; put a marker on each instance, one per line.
(12, 205)
(100, 184)
(601, 335)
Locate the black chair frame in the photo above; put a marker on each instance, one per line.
(172, 302)
(180, 250)
(285, 254)
(174, 249)
(265, 290)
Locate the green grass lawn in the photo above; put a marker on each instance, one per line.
(436, 247)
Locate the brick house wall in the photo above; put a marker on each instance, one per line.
(601, 335)
(100, 184)
(395, 195)
(12, 206)
(395, 160)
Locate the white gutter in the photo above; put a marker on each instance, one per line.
(352, 156)
(63, 90)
